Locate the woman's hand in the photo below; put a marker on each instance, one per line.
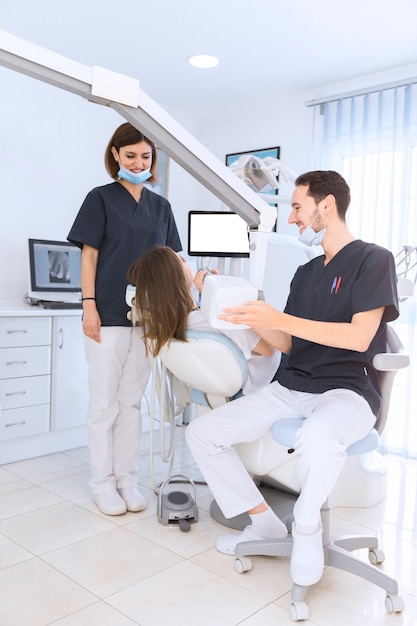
(91, 318)
(91, 322)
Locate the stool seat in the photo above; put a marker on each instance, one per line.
(284, 432)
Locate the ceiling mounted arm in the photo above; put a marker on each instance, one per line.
(122, 93)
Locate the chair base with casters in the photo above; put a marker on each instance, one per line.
(337, 550)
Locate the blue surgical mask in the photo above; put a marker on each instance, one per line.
(309, 236)
(137, 178)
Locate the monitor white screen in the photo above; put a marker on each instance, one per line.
(54, 269)
(217, 234)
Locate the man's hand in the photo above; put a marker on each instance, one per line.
(266, 321)
(257, 315)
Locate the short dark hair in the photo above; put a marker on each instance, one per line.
(321, 183)
(127, 135)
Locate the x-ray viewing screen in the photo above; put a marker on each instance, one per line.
(217, 234)
(55, 266)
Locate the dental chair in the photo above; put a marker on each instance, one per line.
(337, 550)
(210, 366)
(205, 371)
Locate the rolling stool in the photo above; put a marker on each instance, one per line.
(337, 550)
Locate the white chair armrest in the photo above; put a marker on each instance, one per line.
(405, 287)
(390, 362)
(394, 360)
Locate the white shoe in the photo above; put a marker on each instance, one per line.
(110, 503)
(227, 543)
(134, 500)
(307, 559)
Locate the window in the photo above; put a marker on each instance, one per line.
(371, 139)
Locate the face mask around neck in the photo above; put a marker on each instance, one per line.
(309, 237)
(137, 178)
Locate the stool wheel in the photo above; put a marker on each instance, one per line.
(394, 603)
(375, 556)
(299, 611)
(242, 564)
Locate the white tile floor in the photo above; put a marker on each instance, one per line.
(64, 563)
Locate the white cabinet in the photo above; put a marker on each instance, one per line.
(43, 382)
(25, 376)
(69, 397)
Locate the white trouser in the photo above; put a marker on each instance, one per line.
(334, 420)
(118, 372)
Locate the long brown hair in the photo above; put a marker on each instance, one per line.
(163, 299)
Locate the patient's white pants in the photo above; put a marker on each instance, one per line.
(334, 420)
(118, 372)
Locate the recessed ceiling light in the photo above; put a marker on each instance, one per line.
(203, 61)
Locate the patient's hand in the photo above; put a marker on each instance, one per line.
(263, 348)
(200, 276)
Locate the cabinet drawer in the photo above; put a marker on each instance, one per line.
(17, 362)
(28, 391)
(25, 331)
(22, 422)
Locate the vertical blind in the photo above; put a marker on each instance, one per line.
(371, 139)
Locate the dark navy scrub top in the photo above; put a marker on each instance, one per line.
(361, 277)
(122, 229)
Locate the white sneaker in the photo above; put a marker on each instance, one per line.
(307, 559)
(227, 543)
(110, 503)
(134, 500)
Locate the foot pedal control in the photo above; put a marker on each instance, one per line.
(177, 507)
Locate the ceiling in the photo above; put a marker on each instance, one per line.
(266, 47)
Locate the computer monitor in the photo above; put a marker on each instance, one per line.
(54, 270)
(217, 234)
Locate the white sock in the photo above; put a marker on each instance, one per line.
(268, 526)
(307, 530)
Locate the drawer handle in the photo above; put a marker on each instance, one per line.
(16, 362)
(22, 423)
(11, 332)
(16, 393)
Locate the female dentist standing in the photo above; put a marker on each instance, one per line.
(116, 224)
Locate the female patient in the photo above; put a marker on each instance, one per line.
(165, 309)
